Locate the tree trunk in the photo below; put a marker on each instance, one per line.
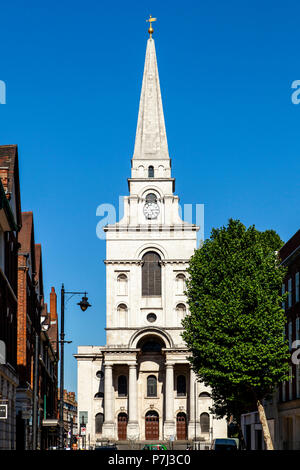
(265, 426)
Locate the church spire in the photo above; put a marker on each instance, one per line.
(151, 138)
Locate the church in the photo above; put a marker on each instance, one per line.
(140, 385)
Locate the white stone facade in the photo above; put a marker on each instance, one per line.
(160, 397)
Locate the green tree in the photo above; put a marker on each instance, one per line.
(235, 329)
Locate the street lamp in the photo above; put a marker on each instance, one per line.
(84, 304)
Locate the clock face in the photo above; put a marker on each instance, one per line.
(151, 210)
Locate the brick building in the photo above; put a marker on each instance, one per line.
(10, 223)
(48, 375)
(70, 415)
(289, 394)
(29, 311)
(283, 410)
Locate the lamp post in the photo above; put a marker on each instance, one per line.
(83, 305)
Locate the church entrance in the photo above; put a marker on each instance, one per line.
(181, 427)
(122, 426)
(151, 426)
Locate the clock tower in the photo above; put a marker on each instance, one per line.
(140, 385)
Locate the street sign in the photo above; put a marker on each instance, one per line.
(3, 411)
(83, 431)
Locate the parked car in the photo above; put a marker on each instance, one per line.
(154, 447)
(107, 447)
(224, 444)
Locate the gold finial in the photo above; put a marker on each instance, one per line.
(151, 30)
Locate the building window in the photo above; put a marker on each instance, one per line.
(204, 395)
(122, 315)
(151, 172)
(180, 284)
(151, 346)
(151, 386)
(122, 386)
(290, 334)
(122, 284)
(181, 386)
(100, 376)
(291, 384)
(181, 311)
(204, 422)
(151, 198)
(99, 419)
(297, 287)
(151, 274)
(282, 293)
(283, 391)
(151, 317)
(290, 292)
(298, 381)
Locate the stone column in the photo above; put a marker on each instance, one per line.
(169, 424)
(193, 428)
(108, 430)
(133, 425)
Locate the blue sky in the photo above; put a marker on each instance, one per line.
(73, 73)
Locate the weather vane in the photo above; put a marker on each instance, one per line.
(151, 30)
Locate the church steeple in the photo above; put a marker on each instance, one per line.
(151, 138)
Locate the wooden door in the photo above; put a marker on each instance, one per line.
(181, 427)
(151, 426)
(122, 426)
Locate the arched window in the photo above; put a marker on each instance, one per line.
(99, 419)
(151, 198)
(122, 284)
(122, 314)
(204, 422)
(180, 283)
(151, 274)
(181, 386)
(151, 172)
(100, 376)
(122, 386)
(181, 311)
(151, 386)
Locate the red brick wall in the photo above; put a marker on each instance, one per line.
(22, 307)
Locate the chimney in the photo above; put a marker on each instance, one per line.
(53, 305)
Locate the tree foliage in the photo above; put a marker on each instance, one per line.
(235, 329)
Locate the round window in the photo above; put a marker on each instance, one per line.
(151, 317)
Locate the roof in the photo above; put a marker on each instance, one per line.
(9, 160)
(290, 247)
(10, 222)
(151, 138)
